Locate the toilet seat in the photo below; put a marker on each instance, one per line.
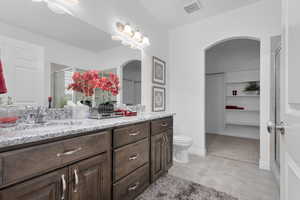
(182, 140)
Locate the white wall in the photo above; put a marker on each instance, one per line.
(233, 55)
(187, 60)
(214, 94)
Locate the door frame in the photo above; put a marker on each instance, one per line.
(265, 68)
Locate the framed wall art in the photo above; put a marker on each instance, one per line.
(159, 71)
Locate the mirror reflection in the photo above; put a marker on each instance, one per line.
(41, 58)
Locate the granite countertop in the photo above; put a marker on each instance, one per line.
(21, 135)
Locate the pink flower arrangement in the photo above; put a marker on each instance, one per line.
(87, 82)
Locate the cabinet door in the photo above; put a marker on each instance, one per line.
(169, 149)
(52, 186)
(90, 179)
(157, 156)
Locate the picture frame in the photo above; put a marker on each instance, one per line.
(158, 99)
(159, 71)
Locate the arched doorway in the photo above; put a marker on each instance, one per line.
(232, 117)
(131, 83)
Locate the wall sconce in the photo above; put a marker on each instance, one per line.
(130, 37)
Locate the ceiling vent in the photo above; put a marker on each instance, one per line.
(192, 6)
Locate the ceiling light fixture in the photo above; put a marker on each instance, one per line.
(59, 6)
(128, 37)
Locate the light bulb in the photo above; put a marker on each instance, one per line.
(128, 30)
(120, 27)
(138, 36)
(146, 41)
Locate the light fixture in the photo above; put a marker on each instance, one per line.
(128, 37)
(59, 6)
(138, 36)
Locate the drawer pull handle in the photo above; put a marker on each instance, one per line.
(135, 133)
(134, 157)
(64, 187)
(134, 187)
(164, 124)
(76, 180)
(68, 153)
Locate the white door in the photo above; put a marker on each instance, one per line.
(24, 71)
(290, 99)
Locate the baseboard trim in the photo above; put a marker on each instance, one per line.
(264, 165)
(197, 151)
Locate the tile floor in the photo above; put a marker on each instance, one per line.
(239, 179)
(235, 148)
(227, 173)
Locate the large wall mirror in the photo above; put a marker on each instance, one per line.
(40, 55)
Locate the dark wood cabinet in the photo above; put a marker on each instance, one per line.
(161, 147)
(169, 150)
(157, 156)
(90, 180)
(113, 164)
(52, 186)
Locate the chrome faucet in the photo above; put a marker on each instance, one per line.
(40, 115)
(36, 114)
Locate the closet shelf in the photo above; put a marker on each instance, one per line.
(244, 95)
(240, 82)
(256, 124)
(237, 110)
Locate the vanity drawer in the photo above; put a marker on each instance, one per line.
(84, 147)
(161, 125)
(132, 185)
(129, 158)
(29, 162)
(130, 134)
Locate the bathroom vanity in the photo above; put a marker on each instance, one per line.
(99, 160)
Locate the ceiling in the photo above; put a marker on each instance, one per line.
(171, 13)
(37, 18)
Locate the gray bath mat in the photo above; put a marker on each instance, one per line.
(173, 188)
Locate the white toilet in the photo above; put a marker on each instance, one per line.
(181, 148)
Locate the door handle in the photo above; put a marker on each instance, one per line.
(76, 180)
(270, 127)
(281, 127)
(69, 153)
(278, 127)
(64, 187)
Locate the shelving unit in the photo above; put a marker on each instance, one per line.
(243, 123)
(238, 110)
(238, 122)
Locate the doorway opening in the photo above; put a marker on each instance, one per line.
(233, 100)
